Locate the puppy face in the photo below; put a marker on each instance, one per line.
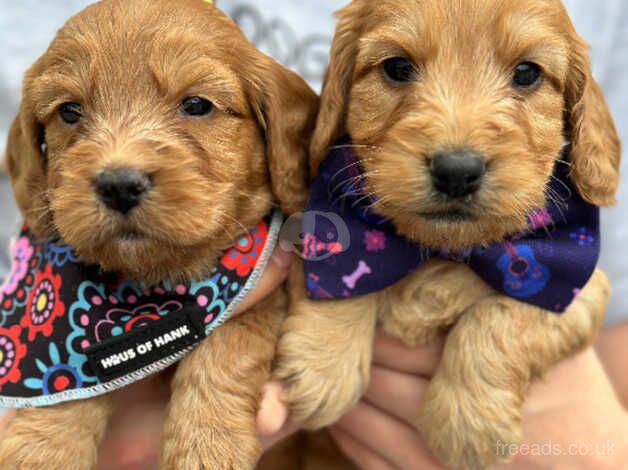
(152, 133)
(459, 110)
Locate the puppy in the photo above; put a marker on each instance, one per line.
(151, 138)
(459, 130)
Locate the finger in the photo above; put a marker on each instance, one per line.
(392, 354)
(363, 457)
(612, 347)
(144, 464)
(393, 440)
(545, 395)
(132, 440)
(272, 418)
(133, 435)
(396, 393)
(273, 412)
(274, 275)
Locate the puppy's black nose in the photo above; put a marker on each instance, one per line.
(457, 173)
(123, 189)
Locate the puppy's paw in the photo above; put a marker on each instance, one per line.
(469, 432)
(321, 380)
(206, 448)
(20, 451)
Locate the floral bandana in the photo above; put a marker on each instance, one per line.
(69, 331)
(350, 251)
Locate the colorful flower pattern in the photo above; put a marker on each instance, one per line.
(374, 240)
(243, 257)
(539, 219)
(56, 376)
(12, 351)
(14, 292)
(43, 304)
(54, 309)
(583, 237)
(22, 254)
(58, 254)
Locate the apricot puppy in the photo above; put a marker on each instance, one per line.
(152, 142)
(462, 152)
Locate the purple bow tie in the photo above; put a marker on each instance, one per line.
(350, 251)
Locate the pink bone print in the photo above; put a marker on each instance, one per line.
(352, 280)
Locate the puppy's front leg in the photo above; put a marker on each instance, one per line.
(60, 437)
(472, 410)
(430, 300)
(216, 391)
(324, 354)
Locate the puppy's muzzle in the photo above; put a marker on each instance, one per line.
(122, 190)
(457, 173)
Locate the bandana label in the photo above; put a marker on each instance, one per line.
(350, 251)
(117, 357)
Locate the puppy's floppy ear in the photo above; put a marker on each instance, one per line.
(286, 109)
(26, 163)
(337, 85)
(595, 147)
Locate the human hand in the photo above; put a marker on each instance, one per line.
(132, 439)
(378, 434)
(612, 347)
(572, 420)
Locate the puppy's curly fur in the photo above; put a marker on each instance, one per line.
(464, 53)
(129, 64)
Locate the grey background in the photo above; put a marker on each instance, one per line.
(298, 34)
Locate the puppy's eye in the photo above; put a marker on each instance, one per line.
(527, 74)
(399, 69)
(70, 113)
(196, 106)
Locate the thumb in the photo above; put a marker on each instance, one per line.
(274, 275)
(272, 418)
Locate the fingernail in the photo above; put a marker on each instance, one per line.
(282, 258)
